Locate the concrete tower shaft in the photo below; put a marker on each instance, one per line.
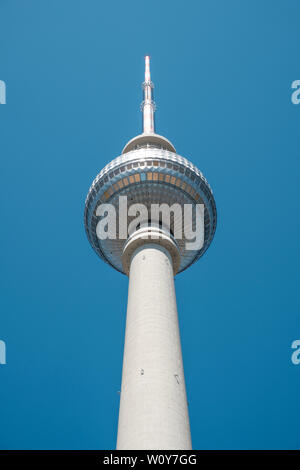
(153, 406)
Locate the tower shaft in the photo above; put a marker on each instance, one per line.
(153, 407)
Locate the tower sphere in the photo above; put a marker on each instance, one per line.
(149, 171)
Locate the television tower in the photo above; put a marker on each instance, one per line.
(153, 405)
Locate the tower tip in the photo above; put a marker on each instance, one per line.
(147, 69)
(148, 105)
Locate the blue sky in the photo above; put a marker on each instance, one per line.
(73, 72)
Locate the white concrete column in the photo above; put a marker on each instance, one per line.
(153, 405)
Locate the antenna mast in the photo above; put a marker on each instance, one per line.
(148, 105)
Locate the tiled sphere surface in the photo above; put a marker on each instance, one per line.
(149, 176)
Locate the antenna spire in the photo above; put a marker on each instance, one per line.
(148, 105)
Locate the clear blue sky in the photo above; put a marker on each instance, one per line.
(73, 71)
